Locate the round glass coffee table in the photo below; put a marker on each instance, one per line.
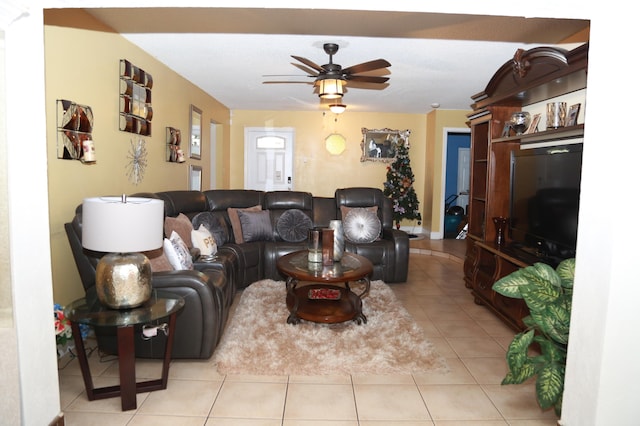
(322, 293)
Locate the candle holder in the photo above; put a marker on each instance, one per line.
(501, 226)
(315, 246)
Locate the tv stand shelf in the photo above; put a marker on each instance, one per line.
(486, 264)
(564, 135)
(532, 77)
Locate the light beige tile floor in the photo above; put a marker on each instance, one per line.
(470, 394)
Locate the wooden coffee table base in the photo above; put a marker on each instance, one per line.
(345, 308)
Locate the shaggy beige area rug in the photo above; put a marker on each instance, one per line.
(258, 339)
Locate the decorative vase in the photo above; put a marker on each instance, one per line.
(520, 121)
(556, 114)
(501, 226)
(338, 239)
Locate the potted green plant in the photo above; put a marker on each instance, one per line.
(541, 350)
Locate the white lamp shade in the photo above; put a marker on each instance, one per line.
(112, 225)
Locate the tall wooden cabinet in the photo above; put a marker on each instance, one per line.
(530, 79)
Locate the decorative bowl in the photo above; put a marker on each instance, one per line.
(520, 121)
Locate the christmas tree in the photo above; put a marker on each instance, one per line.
(399, 187)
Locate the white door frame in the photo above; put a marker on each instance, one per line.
(463, 154)
(215, 135)
(439, 235)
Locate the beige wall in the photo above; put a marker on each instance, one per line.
(315, 169)
(92, 78)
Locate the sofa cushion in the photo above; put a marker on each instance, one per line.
(256, 225)
(159, 261)
(215, 223)
(293, 226)
(235, 221)
(345, 210)
(361, 225)
(177, 252)
(180, 224)
(203, 240)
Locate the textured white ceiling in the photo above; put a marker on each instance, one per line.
(435, 58)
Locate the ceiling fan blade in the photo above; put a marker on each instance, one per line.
(287, 82)
(308, 63)
(367, 66)
(367, 78)
(307, 70)
(355, 84)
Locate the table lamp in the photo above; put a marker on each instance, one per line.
(123, 227)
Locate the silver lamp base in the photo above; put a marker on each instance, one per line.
(123, 280)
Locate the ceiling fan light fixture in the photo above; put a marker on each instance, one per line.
(331, 88)
(337, 108)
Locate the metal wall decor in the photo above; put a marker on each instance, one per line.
(137, 164)
(174, 151)
(135, 99)
(74, 124)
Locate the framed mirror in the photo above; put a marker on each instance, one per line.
(195, 130)
(195, 178)
(381, 144)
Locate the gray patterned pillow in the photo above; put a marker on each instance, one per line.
(215, 223)
(293, 226)
(361, 225)
(256, 226)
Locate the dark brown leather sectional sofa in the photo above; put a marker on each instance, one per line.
(209, 288)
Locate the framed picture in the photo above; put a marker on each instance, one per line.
(195, 178)
(381, 144)
(573, 115)
(533, 127)
(195, 132)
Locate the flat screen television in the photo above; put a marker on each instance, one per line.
(545, 197)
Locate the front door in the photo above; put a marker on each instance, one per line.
(268, 158)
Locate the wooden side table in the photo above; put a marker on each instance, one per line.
(161, 305)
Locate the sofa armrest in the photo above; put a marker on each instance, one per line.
(204, 314)
(401, 249)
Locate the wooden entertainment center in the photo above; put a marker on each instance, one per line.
(526, 82)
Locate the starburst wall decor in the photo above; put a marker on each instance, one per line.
(137, 164)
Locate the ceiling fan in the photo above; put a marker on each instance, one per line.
(330, 79)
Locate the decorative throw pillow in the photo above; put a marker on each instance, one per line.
(203, 240)
(293, 226)
(345, 210)
(182, 225)
(177, 252)
(215, 223)
(361, 225)
(158, 260)
(235, 221)
(256, 226)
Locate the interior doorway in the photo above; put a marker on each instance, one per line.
(455, 177)
(268, 158)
